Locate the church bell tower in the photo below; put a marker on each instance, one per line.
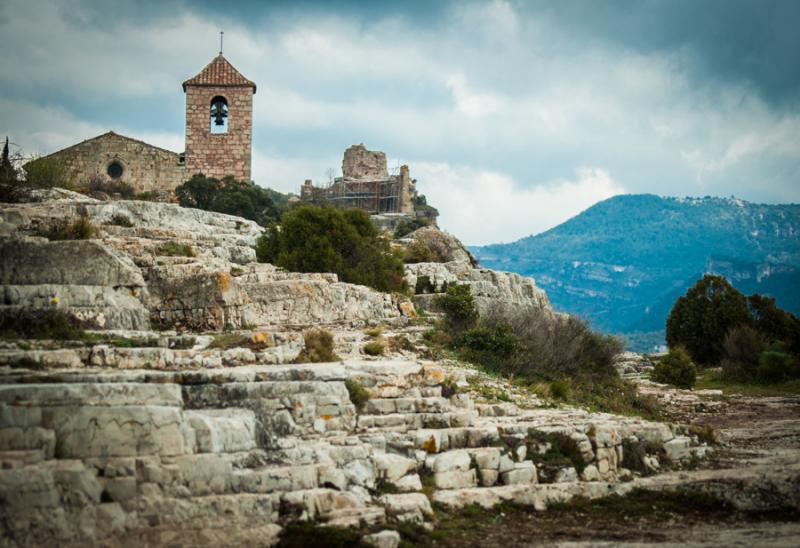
(219, 121)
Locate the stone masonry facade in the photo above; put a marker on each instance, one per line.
(145, 167)
(221, 154)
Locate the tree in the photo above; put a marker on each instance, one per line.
(700, 319)
(326, 239)
(241, 198)
(7, 171)
(774, 324)
(47, 172)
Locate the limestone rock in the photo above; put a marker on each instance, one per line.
(382, 539)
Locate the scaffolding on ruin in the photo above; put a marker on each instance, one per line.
(372, 196)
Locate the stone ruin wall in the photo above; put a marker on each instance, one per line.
(365, 184)
(360, 163)
(145, 167)
(218, 155)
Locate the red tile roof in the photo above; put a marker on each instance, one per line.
(219, 72)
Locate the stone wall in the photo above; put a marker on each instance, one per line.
(145, 167)
(218, 155)
(360, 163)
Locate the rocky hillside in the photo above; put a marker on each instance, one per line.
(189, 417)
(622, 262)
(184, 419)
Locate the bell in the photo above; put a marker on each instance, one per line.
(218, 113)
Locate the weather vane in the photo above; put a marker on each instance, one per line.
(220, 41)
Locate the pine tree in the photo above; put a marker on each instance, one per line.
(6, 168)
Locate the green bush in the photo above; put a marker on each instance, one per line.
(358, 394)
(775, 366)
(775, 324)
(326, 239)
(560, 389)
(241, 198)
(559, 354)
(47, 172)
(491, 346)
(701, 318)
(418, 252)
(112, 187)
(318, 347)
(459, 307)
(40, 323)
(120, 220)
(374, 348)
(676, 369)
(63, 229)
(406, 227)
(424, 285)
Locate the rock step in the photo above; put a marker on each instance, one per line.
(388, 406)
(277, 479)
(538, 496)
(403, 422)
(331, 506)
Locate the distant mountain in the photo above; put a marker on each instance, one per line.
(624, 261)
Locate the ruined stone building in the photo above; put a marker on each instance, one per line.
(219, 131)
(365, 184)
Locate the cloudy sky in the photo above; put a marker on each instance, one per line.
(513, 116)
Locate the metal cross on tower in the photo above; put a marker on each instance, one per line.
(220, 41)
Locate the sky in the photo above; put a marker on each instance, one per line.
(512, 116)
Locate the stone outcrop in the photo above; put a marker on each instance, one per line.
(91, 281)
(184, 437)
(148, 453)
(173, 266)
(489, 287)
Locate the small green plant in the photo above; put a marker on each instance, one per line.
(424, 285)
(374, 332)
(26, 362)
(375, 347)
(318, 347)
(41, 323)
(459, 308)
(236, 271)
(63, 229)
(229, 340)
(449, 387)
(560, 450)
(358, 394)
(174, 249)
(560, 389)
(676, 369)
(120, 220)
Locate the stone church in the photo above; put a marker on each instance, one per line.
(219, 132)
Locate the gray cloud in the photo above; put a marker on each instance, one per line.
(526, 98)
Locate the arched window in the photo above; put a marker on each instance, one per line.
(219, 115)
